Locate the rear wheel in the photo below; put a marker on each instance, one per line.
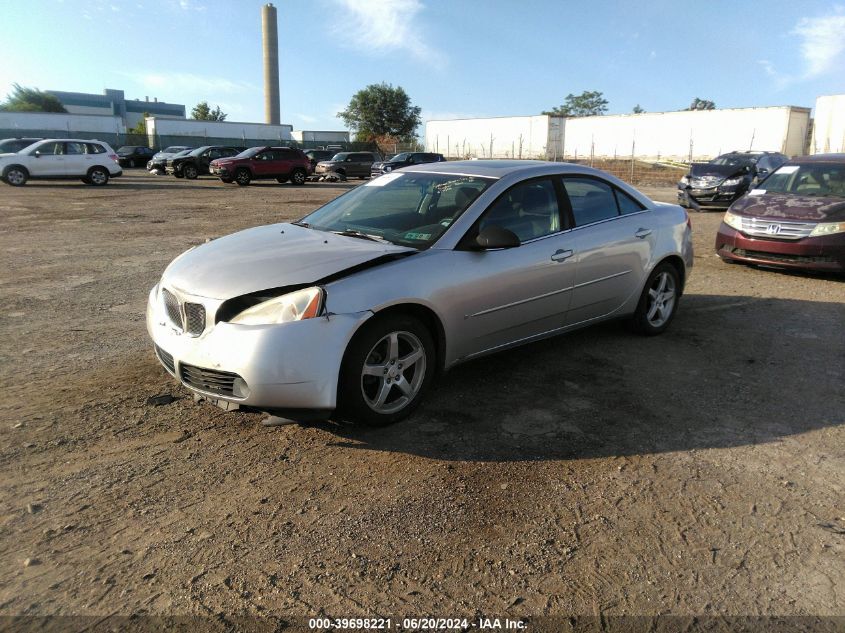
(189, 172)
(386, 370)
(298, 176)
(659, 301)
(242, 177)
(98, 176)
(16, 176)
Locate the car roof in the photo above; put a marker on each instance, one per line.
(820, 158)
(498, 168)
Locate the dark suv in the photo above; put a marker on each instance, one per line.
(726, 178)
(281, 163)
(134, 155)
(196, 163)
(403, 160)
(348, 164)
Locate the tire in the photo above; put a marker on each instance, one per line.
(16, 176)
(190, 172)
(242, 177)
(298, 177)
(98, 176)
(659, 301)
(387, 392)
(177, 174)
(228, 181)
(281, 180)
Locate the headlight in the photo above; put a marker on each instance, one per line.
(684, 180)
(732, 182)
(733, 221)
(294, 306)
(828, 228)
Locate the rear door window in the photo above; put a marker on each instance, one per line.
(592, 200)
(75, 148)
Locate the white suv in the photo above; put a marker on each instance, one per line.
(94, 162)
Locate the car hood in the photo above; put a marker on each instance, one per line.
(722, 171)
(163, 155)
(271, 256)
(791, 207)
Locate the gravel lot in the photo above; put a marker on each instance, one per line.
(700, 472)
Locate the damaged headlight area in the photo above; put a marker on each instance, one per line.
(732, 182)
(293, 306)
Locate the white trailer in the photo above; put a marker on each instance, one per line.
(215, 131)
(829, 125)
(683, 135)
(320, 136)
(59, 124)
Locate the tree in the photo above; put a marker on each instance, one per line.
(203, 112)
(638, 109)
(588, 103)
(381, 110)
(31, 100)
(701, 104)
(140, 126)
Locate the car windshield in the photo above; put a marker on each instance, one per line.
(809, 179)
(126, 149)
(184, 152)
(250, 152)
(733, 160)
(409, 209)
(400, 158)
(199, 150)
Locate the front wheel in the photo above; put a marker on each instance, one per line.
(189, 172)
(386, 370)
(298, 177)
(659, 301)
(16, 176)
(98, 176)
(242, 177)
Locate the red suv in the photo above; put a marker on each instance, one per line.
(256, 163)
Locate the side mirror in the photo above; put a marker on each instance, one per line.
(493, 236)
(37, 154)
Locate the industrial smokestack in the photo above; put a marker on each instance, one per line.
(270, 36)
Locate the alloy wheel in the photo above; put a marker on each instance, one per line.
(661, 299)
(393, 372)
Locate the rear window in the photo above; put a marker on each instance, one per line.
(95, 148)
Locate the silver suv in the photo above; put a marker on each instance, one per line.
(93, 162)
(348, 164)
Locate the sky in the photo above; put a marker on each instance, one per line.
(455, 58)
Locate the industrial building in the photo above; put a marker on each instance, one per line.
(113, 103)
(161, 132)
(683, 135)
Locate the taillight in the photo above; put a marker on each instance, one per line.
(114, 157)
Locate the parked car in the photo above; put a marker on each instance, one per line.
(316, 155)
(158, 163)
(350, 311)
(405, 159)
(134, 155)
(93, 162)
(14, 145)
(349, 164)
(725, 178)
(794, 219)
(257, 163)
(195, 163)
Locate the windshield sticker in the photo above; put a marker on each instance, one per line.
(381, 181)
(789, 169)
(757, 192)
(417, 236)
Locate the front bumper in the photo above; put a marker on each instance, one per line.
(708, 198)
(825, 253)
(289, 366)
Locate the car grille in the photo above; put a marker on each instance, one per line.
(194, 318)
(782, 257)
(165, 359)
(212, 380)
(171, 306)
(777, 229)
(705, 182)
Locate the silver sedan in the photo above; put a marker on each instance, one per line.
(352, 310)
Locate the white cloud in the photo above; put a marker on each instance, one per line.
(191, 5)
(823, 41)
(387, 26)
(189, 82)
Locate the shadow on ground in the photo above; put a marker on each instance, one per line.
(603, 391)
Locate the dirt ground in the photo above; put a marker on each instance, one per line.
(701, 472)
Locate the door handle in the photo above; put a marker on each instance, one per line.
(642, 233)
(561, 255)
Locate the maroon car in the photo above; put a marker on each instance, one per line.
(257, 163)
(795, 218)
